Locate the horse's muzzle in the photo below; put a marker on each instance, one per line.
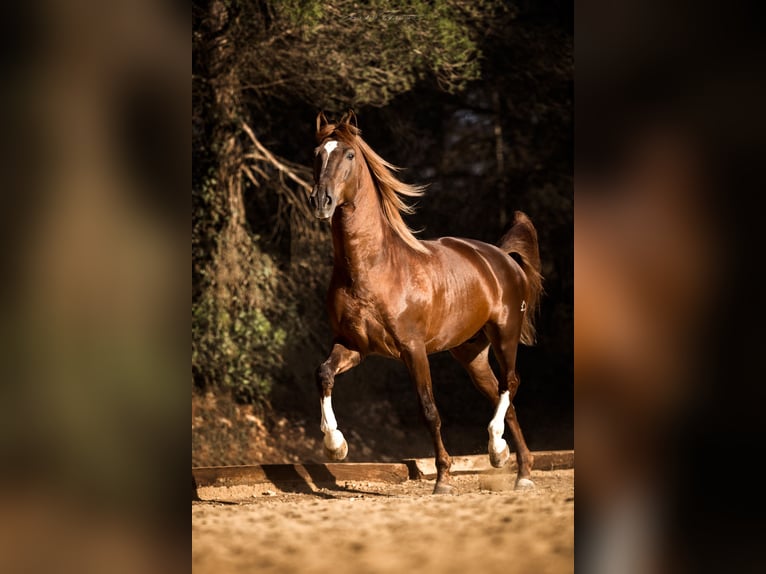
(322, 203)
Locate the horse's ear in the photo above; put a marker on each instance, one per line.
(321, 121)
(349, 118)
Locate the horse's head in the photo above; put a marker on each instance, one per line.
(336, 161)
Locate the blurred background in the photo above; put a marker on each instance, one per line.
(668, 336)
(94, 397)
(472, 99)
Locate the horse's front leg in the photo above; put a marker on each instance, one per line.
(416, 359)
(341, 359)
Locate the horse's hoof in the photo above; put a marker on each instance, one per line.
(498, 459)
(335, 445)
(524, 484)
(443, 488)
(336, 454)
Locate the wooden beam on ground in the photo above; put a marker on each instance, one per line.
(425, 468)
(241, 482)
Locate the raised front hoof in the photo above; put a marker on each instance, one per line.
(524, 484)
(443, 488)
(336, 454)
(498, 459)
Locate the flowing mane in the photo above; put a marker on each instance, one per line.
(390, 189)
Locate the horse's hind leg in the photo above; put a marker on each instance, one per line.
(474, 356)
(524, 458)
(341, 359)
(505, 348)
(416, 359)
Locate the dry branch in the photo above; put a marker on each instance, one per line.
(268, 156)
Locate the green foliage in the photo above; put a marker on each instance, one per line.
(353, 54)
(300, 13)
(234, 344)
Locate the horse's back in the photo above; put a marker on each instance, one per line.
(475, 283)
(488, 263)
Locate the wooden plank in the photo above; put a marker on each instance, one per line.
(240, 482)
(553, 459)
(425, 468)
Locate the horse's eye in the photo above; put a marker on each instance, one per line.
(350, 155)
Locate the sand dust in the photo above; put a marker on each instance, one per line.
(380, 528)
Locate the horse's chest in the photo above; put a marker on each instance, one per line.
(361, 323)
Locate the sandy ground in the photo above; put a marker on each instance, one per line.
(402, 528)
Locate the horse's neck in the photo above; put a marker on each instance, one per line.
(362, 238)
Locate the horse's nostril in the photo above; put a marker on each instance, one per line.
(327, 200)
(313, 201)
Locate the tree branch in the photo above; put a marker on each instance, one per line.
(268, 156)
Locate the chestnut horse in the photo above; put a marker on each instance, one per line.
(393, 295)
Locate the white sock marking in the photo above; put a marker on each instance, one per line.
(333, 438)
(497, 424)
(329, 423)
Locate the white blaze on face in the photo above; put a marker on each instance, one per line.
(497, 424)
(329, 147)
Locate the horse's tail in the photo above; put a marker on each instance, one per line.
(521, 244)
